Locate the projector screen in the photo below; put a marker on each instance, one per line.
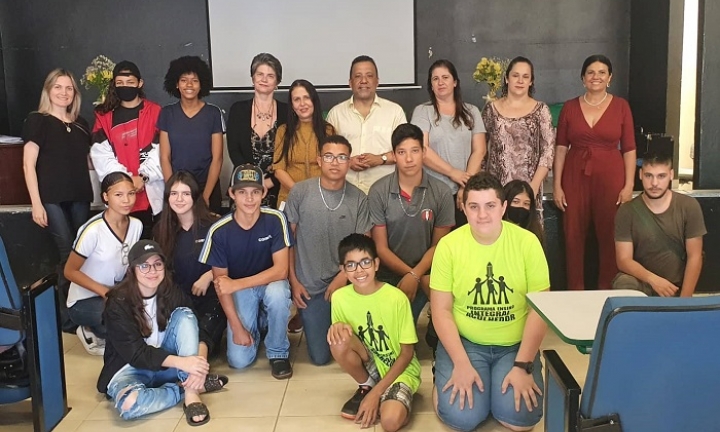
(313, 39)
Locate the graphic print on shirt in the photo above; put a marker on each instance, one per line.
(490, 298)
(376, 339)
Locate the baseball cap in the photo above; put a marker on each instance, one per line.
(125, 68)
(143, 250)
(247, 175)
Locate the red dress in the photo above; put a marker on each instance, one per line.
(592, 177)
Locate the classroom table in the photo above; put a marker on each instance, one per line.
(574, 315)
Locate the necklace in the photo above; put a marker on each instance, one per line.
(419, 207)
(264, 116)
(66, 124)
(596, 104)
(325, 202)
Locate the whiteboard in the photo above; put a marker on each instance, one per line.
(313, 39)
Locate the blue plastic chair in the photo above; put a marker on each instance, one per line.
(653, 367)
(31, 314)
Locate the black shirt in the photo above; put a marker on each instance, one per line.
(186, 267)
(62, 163)
(124, 115)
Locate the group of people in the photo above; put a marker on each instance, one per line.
(358, 220)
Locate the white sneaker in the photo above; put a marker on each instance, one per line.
(90, 342)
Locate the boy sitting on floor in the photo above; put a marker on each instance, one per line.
(372, 338)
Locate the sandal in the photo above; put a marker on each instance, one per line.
(196, 409)
(215, 382)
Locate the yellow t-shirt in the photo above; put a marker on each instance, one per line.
(489, 282)
(383, 321)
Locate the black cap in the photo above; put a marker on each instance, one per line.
(143, 250)
(247, 175)
(126, 68)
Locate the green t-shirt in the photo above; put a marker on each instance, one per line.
(383, 321)
(489, 282)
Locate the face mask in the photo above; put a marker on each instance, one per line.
(518, 215)
(126, 94)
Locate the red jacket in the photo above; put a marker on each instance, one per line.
(132, 155)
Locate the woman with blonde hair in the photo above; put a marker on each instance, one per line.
(55, 161)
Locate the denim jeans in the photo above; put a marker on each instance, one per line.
(64, 221)
(157, 390)
(88, 313)
(275, 301)
(316, 323)
(492, 364)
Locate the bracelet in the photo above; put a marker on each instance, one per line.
(414, 275)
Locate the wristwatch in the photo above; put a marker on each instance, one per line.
(384, 158)
(144, 178)
(528, 367)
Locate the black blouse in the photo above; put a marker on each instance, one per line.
(62, 163)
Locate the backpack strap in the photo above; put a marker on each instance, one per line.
(648, 220)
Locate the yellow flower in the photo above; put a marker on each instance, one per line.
(107, 74)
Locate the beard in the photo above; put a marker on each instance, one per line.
(656, 193)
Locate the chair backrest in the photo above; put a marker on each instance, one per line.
(655, 363)
(10, 298)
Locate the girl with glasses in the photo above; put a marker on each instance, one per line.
(99, 259)
(152, 360)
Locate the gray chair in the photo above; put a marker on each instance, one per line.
(31, 316)
(653, 367)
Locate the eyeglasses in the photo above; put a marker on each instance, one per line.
(145, 267)
(329, 158)
(124, 249)
(365, 263)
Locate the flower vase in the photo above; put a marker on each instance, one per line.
(100, 100)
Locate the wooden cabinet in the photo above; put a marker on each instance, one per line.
(12, 180)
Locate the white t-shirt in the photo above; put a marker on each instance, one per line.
(105, 254)
(156, 337)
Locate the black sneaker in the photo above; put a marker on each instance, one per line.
(281, 368)
(351, 407)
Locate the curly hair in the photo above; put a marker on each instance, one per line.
(484, 181)
(188, 65)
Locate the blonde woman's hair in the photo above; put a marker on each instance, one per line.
(45, 106)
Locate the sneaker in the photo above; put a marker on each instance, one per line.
(351, 407)
(295, 325)
(92, 344)
(281, 368)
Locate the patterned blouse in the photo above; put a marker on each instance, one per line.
(518, 146)
(263, 149)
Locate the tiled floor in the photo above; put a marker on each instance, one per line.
(253, 401)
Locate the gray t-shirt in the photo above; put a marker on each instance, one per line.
(319, 229)
(410, 224)
(452, 144)
(682, 220)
